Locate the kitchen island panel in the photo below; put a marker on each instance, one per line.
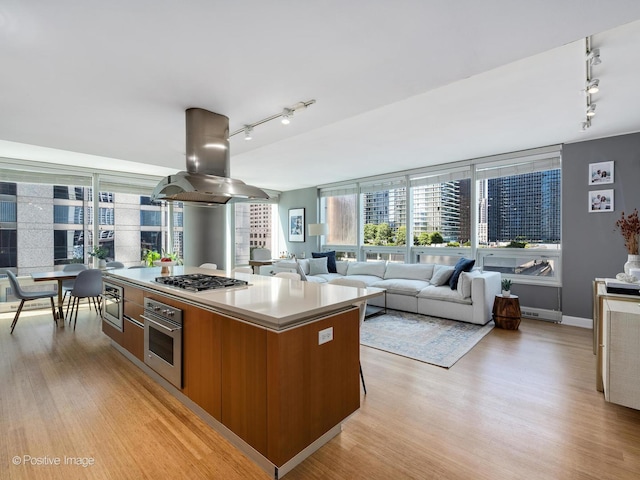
(311, 387)
(133, 338)
(201, 359)
(244, 381)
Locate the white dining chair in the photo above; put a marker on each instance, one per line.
(289, 275)
(349, 282)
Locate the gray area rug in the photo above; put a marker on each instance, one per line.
(429, 339)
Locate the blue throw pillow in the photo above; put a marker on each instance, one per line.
(331, 259)
(463, 265)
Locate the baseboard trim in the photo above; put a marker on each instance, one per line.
(577, 322)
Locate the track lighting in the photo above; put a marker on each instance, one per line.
(284, 116)
(593, 86)
(593, 57)
(287, 113)
(247, 132)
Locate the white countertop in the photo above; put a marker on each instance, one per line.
(275, 303)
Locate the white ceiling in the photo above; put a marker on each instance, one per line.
(398, 84)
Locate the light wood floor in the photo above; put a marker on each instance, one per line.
(521, 405)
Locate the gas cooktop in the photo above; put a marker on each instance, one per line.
(198, 282)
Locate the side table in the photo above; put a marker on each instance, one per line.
(506, 312)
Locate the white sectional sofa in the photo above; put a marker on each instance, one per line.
(417, 288)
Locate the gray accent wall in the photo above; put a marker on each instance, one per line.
(591, 246)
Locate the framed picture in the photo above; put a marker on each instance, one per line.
(600, 173)
(296, 224)
(601, 201)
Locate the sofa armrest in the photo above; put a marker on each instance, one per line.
(484, 289)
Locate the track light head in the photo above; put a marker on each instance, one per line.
(591, 110)
(247, 132)
(593, 86)
(287, 113)
(585, 125)
(593, 57)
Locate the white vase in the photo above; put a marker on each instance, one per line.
(506, 293)
(102, 263)
(633, 261)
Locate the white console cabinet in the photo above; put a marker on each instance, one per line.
(621, 352)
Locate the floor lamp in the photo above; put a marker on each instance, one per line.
(317, 230)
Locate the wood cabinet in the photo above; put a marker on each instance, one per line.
(621, 352)
(112, 332)
(201, 359)
(281, 391)
(600, 297)
(133, 338)
(244, 382)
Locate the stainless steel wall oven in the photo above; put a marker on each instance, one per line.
(113, 300)
(163, 340)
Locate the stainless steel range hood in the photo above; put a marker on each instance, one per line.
(206, 180)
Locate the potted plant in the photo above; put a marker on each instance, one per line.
(506, 287)
(629, 227)
(100, 253)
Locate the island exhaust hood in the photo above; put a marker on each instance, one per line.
(206, 180)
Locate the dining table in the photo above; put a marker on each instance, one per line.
(60, 276)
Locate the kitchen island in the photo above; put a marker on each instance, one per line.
(273, 365)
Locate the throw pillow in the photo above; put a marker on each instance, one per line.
(318, 266)
(331, 259)
(441, 275)
(463, 265)
(464, 282)
(300, 270)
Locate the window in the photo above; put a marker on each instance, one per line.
(472, 208)
(339, 209)
(253, 229)
(384, 213)
(519, 224)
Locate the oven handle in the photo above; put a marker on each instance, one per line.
(160, 325)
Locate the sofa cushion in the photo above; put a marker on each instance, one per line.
(463, 265)
(293, 265)
(441, 275)
(326, 277)
(331, 259)
(301, 272)
(318, 266)
(367, 268)
(318, 278)
(368, 279)
(304, 263)
(443, 293)
(341, 266)
(409, 271)
(402, 286)
(464, 282)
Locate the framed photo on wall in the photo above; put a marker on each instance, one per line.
(601, 201)
(600, 173)
(296, 224)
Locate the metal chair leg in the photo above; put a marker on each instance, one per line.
(15, 319)
(362, 378)
(53, 310)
